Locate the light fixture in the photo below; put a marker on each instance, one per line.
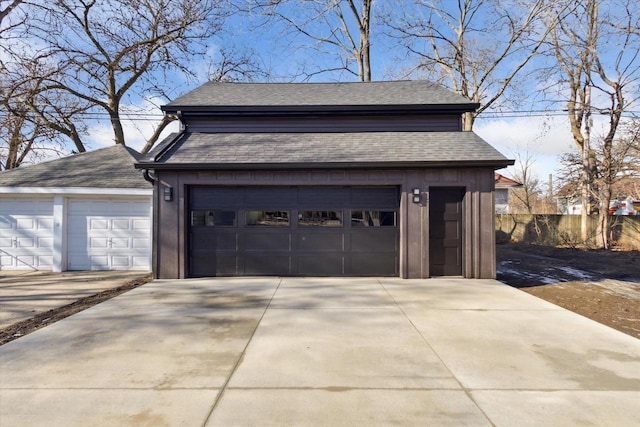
(168, 194)
(416, 195)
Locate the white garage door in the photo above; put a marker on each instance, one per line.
(108, 235)
(26, 234)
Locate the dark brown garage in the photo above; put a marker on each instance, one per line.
(335, 179)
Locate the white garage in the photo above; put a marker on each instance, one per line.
(90, 211)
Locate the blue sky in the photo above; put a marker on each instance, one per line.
(543, 137)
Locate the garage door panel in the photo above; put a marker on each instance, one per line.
(215, 264)
(120, 262)
(267, 264)
(321, 265)
(209, 240)
(140, 224)
(270, 197)
(121, 224)
(373, 264)
(26, 224)
(323, 197)
(120, 243)
(26, 242)
(99, 262)
(321, 242)
(98, 243)
(98, 224)
(267, 242)
(140, 243)
(379, 240)
(374, 198)
(45, 242)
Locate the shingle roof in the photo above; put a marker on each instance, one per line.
(110, 167)
(273, 95)
(504, 182)
(335, 149)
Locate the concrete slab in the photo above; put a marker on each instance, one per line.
(524, 349)
(461, 294)
(271, 351)
(560, 408)
(26, 294)
(343, 349)
(346, 407)
(110, 407)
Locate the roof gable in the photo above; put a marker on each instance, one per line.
(111, 167)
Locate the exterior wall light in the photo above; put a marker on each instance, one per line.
(168, 194)
(416, 195)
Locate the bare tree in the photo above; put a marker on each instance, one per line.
(530, 197)
(231, 66)
(583, 43)
(103, 51)
(6, 7)
(334, 28)
(474, 47)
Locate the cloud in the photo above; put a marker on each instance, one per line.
(542, 138)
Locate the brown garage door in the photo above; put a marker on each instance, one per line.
(293, 231)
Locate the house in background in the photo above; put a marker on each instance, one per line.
(625, 198)
(504, 186)
(326, 179)
(89, 211)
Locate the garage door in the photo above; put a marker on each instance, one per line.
(108, 235)
(26, 234)
(298, 231)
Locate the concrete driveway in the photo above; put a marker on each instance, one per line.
(23, 294)
(305, 351)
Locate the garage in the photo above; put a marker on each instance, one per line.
(89, 211)
(323, 179)
(26, 234)
(293, 231)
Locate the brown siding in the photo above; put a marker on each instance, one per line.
(405, 122)
(479, 237)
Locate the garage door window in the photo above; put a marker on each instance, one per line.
(373, 219)
(268, 218)
(320, 218)
(213, 218)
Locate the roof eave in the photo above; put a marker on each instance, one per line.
(495, 164)
(219, 110)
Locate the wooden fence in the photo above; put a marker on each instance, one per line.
(564, 230)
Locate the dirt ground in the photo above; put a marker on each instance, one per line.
(598, 284)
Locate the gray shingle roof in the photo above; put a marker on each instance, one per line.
(314, 149)
(110, 167)
(390, 93)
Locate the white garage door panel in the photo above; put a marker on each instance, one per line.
(108, 235)
(26, 234)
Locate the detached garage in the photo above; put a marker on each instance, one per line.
(90, 211)
(328, 179)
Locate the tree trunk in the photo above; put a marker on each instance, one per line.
(586, 169)
(118, 131)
